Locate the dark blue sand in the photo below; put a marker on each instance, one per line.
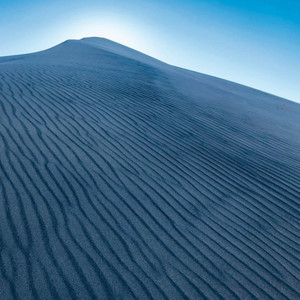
(126, 178)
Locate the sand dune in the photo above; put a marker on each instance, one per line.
(126, 178)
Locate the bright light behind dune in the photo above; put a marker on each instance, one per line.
(111, 27)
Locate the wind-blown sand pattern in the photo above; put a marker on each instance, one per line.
(126, 178)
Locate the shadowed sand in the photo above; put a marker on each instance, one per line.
(126, 178)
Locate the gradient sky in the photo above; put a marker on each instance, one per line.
(256, 43)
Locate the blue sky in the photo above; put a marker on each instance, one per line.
(256, 43)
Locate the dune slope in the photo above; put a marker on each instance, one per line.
(126, 178)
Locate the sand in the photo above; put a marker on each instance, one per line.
(123, 177)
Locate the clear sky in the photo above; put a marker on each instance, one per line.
(256, 43)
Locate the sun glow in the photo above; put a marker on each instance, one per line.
(112, 27)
